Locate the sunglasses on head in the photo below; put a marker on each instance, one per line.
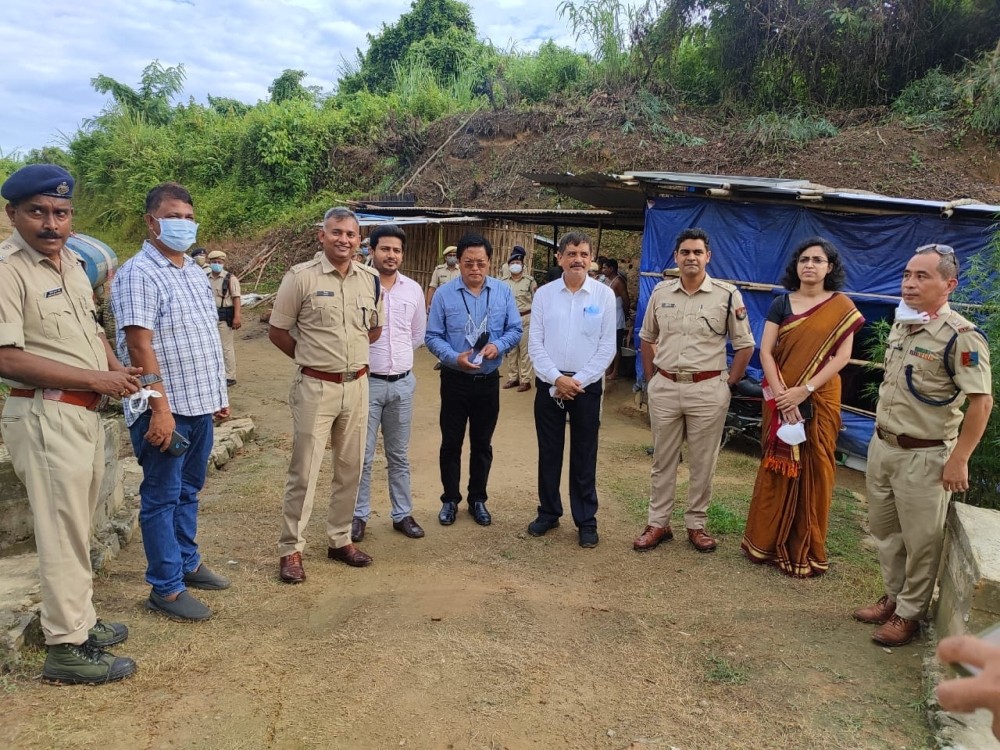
(939, 249)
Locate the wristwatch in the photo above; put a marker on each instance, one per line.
(150, 379)
(811, 388)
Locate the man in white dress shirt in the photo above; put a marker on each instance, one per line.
(571, 342)
(392, 383)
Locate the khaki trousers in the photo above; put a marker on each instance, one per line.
(907, 508)
(58, 452)
(228, 349)
(323, 411)
(697, 410)
(518, 364)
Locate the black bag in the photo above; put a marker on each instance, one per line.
(226, 313)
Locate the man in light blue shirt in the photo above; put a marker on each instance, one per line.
(572, 342)
(473, 322)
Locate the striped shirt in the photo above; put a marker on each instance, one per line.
(178, 306)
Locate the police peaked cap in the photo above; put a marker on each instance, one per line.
(38, 179)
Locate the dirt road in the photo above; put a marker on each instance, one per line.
(485, 638)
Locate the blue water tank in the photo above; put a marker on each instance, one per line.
(100, 260)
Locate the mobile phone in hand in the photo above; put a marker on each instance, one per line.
(178, 444)
(990, 635)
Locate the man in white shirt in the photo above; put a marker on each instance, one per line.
(392, 383)
(571, 342)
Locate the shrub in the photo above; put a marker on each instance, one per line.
(773, 131)
(980, 88)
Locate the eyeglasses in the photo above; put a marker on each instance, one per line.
(475, 264)
(811, 260)
(939, 249)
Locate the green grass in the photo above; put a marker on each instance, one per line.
(724, 672)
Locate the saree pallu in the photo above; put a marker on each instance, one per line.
(790, 509)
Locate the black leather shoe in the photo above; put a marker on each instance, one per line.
(447, 514)
(358, 529)
(408, 527)
(541, 526)
(479, 514)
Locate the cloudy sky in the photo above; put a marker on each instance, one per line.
(231, 48)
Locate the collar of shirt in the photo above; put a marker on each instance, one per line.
(65, 255)
(706, 286)
(588, 285)
(935, 324)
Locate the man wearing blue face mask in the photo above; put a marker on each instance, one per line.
(167, 325)
(226, 288)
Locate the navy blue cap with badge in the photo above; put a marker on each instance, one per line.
(38, 179)
(517, 252)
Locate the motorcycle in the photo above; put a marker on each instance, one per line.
(745, 415)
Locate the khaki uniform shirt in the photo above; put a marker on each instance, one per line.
(332, 313)
(48, 312)
(523, 290)
(690, 330)
(442, 275)
(234, 288)
(922, 347)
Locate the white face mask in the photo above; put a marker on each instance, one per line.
(516, 268)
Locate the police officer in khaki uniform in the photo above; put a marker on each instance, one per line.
(934, 360)
(59, 366)
(443, 273)
(683, 343)
(226, 288)
(523, 287)
(336, 306)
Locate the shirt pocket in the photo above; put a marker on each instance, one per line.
(930, 379)
(364, 313)
(669, 319)
(56, 314)
(593, 324)
(326, 310)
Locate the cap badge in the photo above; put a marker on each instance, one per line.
(62, 188)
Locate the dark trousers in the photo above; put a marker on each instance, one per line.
(472, 400)
(584, 413)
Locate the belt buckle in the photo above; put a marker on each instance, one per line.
(890, 439)
(684, 377)
(350, 376)
(101, 403)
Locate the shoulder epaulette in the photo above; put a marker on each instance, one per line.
(300, 267)
(959, 323)
(724, 285)
(667, 283)
(363, 267)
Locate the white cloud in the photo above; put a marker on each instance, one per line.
(232, 48)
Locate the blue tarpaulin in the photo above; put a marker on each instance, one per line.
(752, 242)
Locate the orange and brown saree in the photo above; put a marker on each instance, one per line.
(790, 508)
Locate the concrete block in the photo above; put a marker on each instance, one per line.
(20, 597)
(124, 524)
(969, 582)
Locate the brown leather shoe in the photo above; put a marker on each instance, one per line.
(509, 384)
(524, 387)
(651, 537)
(349, 554)
(878, 613)
(701, 541)
(291, 568)
(897, 631)
(358, 529)
(408, 527)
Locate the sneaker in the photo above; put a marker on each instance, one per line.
(541, 526)
(185, 607)
(203, 578)
(106, 634)
(230, 382)
(84, 664)
(588, 538)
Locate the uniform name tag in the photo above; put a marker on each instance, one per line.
(54, 292)
(667, 304)
(325, 294)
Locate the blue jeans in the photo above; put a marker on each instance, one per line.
(168, 511)
(391, 406)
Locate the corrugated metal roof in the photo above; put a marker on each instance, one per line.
(631, 218)
(627, 190)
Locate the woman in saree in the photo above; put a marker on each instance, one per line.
(807, 341)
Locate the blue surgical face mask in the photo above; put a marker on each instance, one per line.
(178, 234)
(216, 267)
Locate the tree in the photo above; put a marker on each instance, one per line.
(157, 86)
(288, 86)
(435, 24)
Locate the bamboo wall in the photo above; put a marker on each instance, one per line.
(425, 244)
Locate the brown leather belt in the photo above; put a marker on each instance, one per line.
(905, 441)
(525, 312)
(89, 400)
(689, 377)
(334, 377)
